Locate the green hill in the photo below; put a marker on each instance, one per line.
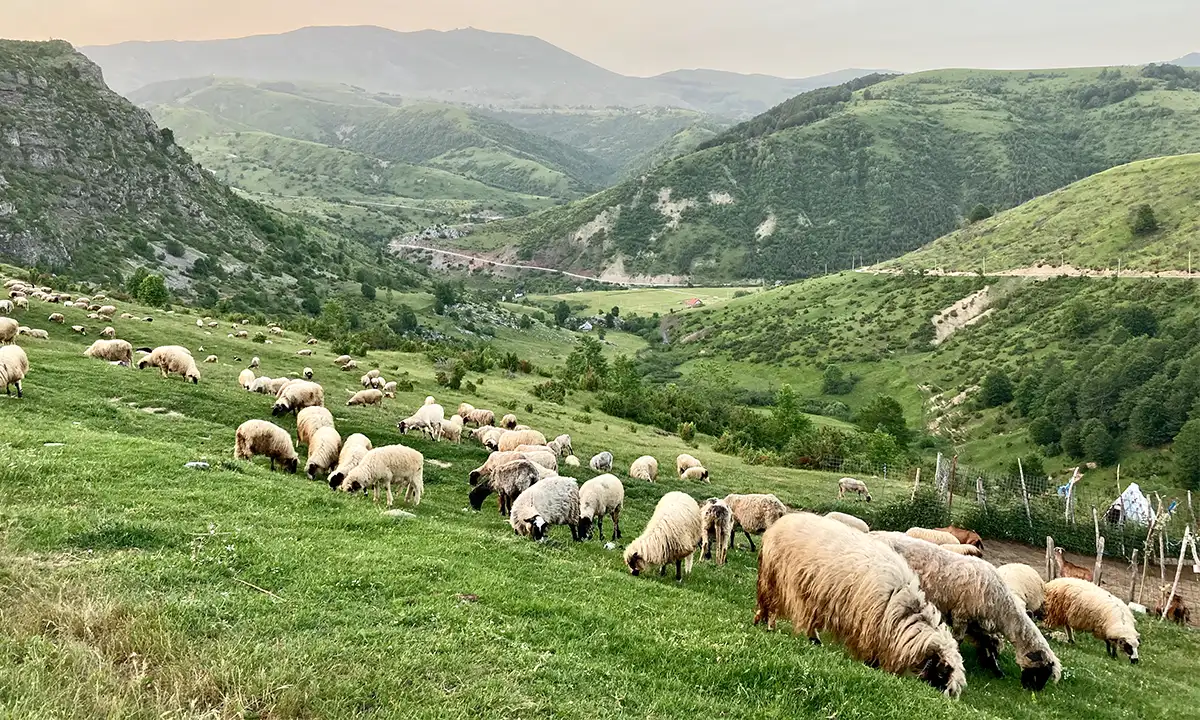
(870, 170)
(1087, 225)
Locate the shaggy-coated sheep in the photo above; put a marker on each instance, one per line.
(511, 439)
(1066, 568)
(307, 373)
(389, 464)
(1026, 585)
(937, 537)
(849, 520)
(14, 366)
(246, 379)
(254, 363)
(965, 537)
(111, 350)
(754, 513)
(210, 359)
(644, 468)
(671, 536)
(172, 359)
(571, 461)
(974, 600)
(309, 420)
(259, 437)
(695, 474)
(323, 449)
(366, 397)
(508, 481)
(296, 395)
(602, 495)
(561, 445)
(509, 421)
(57, 318)
(858, 487)
(601, 462)
(354, 449)
(822, 575)
(716, 527)
(428, 419)
(480, 417)
(1079, 605)
(552, 501)
(685, 461)
(9, 329)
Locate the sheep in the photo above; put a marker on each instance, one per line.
(509, 421)
(552, 501)
(1026, 585)
(644, 468)
(366, 397)
(959, 549)
(965, 537)
(481, 417)
(111, 350)
(858, 487)
(297, 395)
(14, 366)
(390, 464)
(57, 318)
(849, 521)
(571, 461)
(254, 363)
(305, 352)
(754, 513)
(428, 419)
(975, 600)
(602, 495)
(601, 462)
(354, 449)
(716, 527)
(9, 329)
(309, 420)
(561, 445)
(685, 461)
(341, 360)
(508, 481)
(210, 359)
(259, 437)
(1069, 569)
(79, 329)
(389, 388)
(822, 575)
(307, 373)
(246, 379)
(172, 359)
(108, 332)
(450, 429)
(695, 474)
(671, 536)
(512, 438)
(1178, 612)
(39, 334)
(323, 448)
(937, 537)
(1079, 605)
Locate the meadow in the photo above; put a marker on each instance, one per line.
(132, 586)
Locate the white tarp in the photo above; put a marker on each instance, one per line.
(1133, 505)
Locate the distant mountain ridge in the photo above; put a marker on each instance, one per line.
(464, 66)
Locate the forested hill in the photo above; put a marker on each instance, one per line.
(867, 171)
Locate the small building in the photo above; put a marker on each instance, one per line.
(694, 302)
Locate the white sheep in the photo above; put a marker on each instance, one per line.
(354, 449)
(111, 350)
(1026, 585)
(552, 501)
(603, 495)
(295, 395)
(561, 445)
(716, 527)
(849, 520)
(510, 439)
(9, 329)
(246, 379)
(685, 461)
(259, 437)
(323, 449)
(14, 366)
(644, 468)
(1079, 605)
(366, 397)
(858, 487)
(755, 513)
(671, 536)
(172, 359)
(601, 462)
(508, 481)
(696, 474)
(389, 464)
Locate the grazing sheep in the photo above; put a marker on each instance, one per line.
(508, 481)
(695, 474)
(323, 449)
(671, 536)
(57, 318)
(509, 421)
(849, 521)
(389, 388)
(974, 600)
(111, 350)
(14, 366)
(754, 513)
(685, 461)
(571, 461)
(937, 537)
(354, 449)
(259, 437)
(172, 359)
(602, 495)
(341, 360)
(210, 359)
(307, 373)
(1026, 585)
(716, 527)
(309, 420)
(246, 379)
(9, 329)
(480, 417)
(254, 363)
(428, 419)
(512, 438)
(561, 445)
(551, 501)
(601, 462)
(644, 468)
(965, 537)
(1178, 612)
(389, 464)
(959, 549)
(366, 397)
(296, 395)
(1077, 604)
(822, 575)
(858, 487)
(1066, 568)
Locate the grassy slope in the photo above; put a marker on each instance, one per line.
(1085, 224)
(121, 569)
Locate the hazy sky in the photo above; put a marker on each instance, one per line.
(644, 37)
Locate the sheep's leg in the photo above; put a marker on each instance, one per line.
(752, 548)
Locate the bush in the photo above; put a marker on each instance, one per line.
(687, 432)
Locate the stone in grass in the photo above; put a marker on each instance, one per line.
(399, 514)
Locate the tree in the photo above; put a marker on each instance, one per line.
(1043, 432)
(1143, 221)
(562, 311)
(979, 213)
(1098, 445)
(367, 290)
(884, 413)
(996, 389)
(153, 291)
(1187, 454)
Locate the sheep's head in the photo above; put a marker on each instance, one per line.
(1037, 669)
(636, 564)
(291, 464)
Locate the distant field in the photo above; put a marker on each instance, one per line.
(648, 301)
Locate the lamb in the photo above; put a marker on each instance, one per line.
(716, 527)
(937, 537)
(1079, 605)
(571, 461)
(965, 537)
(858, 487)
(254, 363)
(14, 366)
(210, 359)
(602, 495)
(512, 438)
(552, 501)
(427, 418)
(246, 379)
(754, 513)
(509, 421)
(323, 448)
(644, 468)
(9, 329)
(685, 461)
(307, 373)
(975, 600)
(695, 474)
(959, 549)
(390, 464)
(561, 445)
(849, 521)
(111, 350)
(57, 318)
(79, 330)
(508, 481)
(1026, 585)
(366, 397)
(601, 462)
(341, 360)
(1069, 569)
(671, 536)
(309, 420)
(822, 575)
(259, 437)
(354, 449)
(480, 417)
(296, 395)
(389, 388)
(172, 359)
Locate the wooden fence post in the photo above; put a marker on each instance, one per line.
(1051, 567)
(1099, 561)
(1187, 538)
(1024, 493)
(1132, 575)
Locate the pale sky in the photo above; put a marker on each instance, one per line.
(792, 38)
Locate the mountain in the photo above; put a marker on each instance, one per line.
(1086, 225)
(865, 172)
(464, 66)
(1189, 60)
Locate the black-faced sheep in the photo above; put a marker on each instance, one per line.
(323, 448)
(671, 536)
(172, 359)
(366, 397)
(716, 526)
(1026, 585)
(389, 464)
(851, 485)
(296, 395)
(849, 520)
(602, 495)
(259, 437)
(14, 366)
(552, 501)
(644, 468)
(685, 461)
(354, 449)
(508, 481)
(822, 575)
(754, 513)
(1077, 604)
(111, 350)
(601, 462)
(511, 439)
